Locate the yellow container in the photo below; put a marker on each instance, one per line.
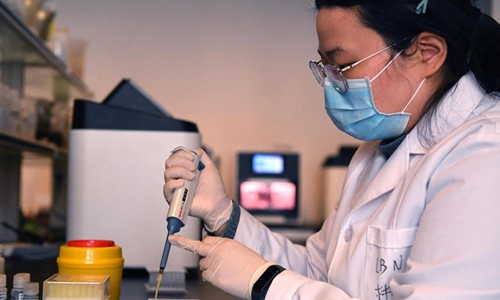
(93, 257)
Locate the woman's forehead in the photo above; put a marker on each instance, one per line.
(340, 30)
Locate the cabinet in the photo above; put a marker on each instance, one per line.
(29, 67)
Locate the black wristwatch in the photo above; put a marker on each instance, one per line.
(260, 287)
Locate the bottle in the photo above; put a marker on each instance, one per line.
(20, 279)
(30, 291)
(3, 288)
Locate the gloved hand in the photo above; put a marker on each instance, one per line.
(226, 263)
(210, 202)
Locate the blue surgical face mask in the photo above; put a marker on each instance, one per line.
(354, 111)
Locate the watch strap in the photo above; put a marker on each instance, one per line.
(262, 284)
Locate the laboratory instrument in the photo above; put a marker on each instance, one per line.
(268, 186)
(115, 156)
(178, 211)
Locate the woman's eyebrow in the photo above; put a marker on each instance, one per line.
(330, 54)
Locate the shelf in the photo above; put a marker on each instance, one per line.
(17, 144)
(19, 45)
(29, 166)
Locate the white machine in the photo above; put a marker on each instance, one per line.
(115, 181)
(334, 172)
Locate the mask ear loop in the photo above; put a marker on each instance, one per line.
(386, 66)
(414, 94)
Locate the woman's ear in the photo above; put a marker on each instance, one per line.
(432, 51)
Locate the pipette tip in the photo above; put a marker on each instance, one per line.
(158, 282)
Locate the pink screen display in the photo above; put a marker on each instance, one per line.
(267, 195)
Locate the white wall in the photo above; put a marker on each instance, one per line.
(495, 9)
(239, 69)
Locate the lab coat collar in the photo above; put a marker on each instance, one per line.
(456, 107)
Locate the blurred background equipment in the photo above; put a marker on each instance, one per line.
(334, 172)
(268, 186)
(116, 163)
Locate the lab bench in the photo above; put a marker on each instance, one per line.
(133, 281)
(133, 288)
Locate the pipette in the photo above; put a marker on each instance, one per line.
(180, 205)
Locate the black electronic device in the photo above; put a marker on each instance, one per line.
(268, 186)
(128, 94)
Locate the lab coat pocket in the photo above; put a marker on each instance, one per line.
(386, 255)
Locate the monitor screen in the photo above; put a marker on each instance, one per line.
(268, 185)
(267, 194)
(267, 164)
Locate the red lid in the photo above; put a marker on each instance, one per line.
(90, 243)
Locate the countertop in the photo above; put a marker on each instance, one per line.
(133, 281)
(134, 288)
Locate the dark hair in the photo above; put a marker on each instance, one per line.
(473, 38)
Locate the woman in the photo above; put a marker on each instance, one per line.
(420, 207)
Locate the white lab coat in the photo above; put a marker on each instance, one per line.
(421, 225)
